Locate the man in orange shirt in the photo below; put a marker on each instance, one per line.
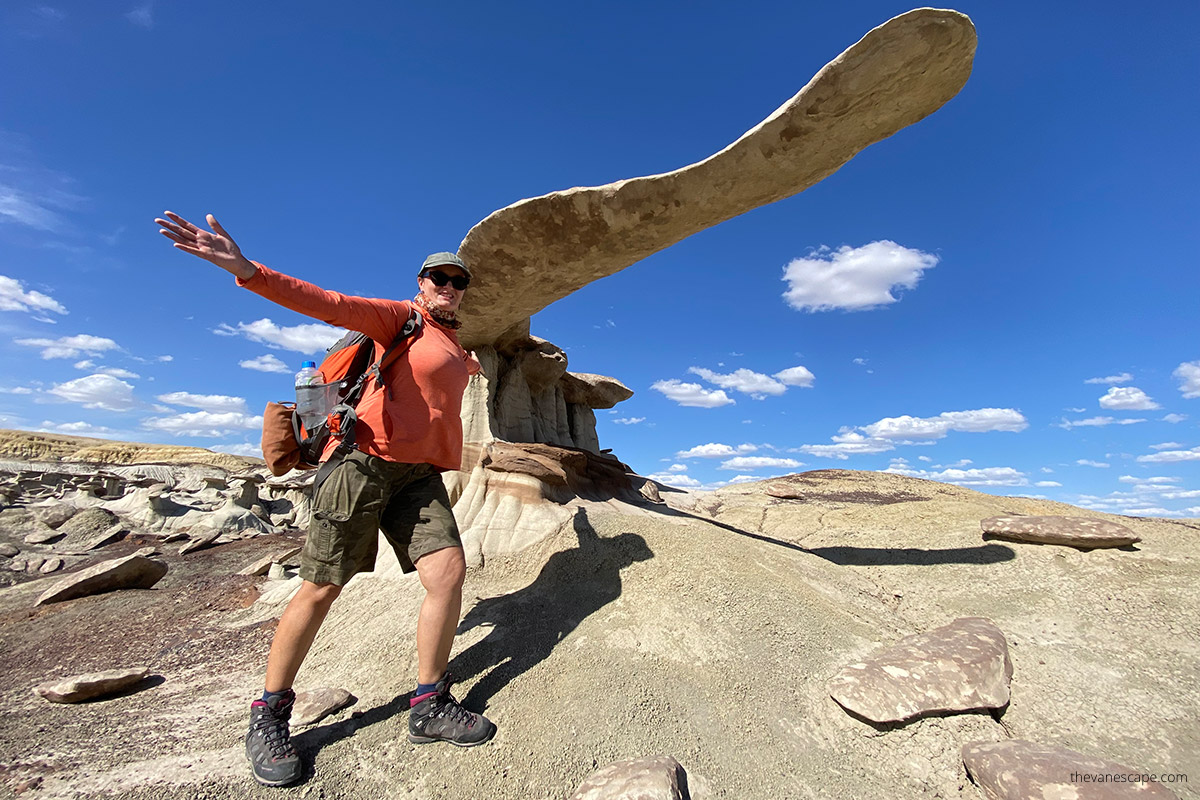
(408, 432)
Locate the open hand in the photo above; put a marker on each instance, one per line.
(216, 247)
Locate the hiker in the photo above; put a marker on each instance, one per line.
(408, 432)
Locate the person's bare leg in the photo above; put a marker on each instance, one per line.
(441, 573)
(296, 631)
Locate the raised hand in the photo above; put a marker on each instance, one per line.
(216, 247)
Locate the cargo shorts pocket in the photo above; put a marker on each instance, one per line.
(327, 534)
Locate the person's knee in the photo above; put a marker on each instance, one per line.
(443, 570)
(321, 594)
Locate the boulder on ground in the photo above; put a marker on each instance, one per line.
(317, 704)
(958, 667)
(130, 572)
(1072, 531)
(263, 564)
(1019, 770)
(91, 685)
(90, 528)
(8, 550)
(650, 778)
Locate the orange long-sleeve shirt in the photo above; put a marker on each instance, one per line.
(419, 423)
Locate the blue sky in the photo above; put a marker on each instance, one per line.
(1002, 296)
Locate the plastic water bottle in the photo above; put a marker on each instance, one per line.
(310, 395)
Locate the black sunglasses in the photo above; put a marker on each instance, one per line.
(439, 278)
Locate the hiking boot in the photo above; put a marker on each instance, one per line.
(273, 759)
(438, 717)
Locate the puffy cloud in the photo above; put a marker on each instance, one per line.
(14, 297)
(629, 420)
(853, 278)
(267, 363)
(692, 394)
(674, 479)
(204, 423)
(1167, 446)
(1124, 377)
(743, 380)
(207, 402)
(1083, 462)
(981, 420)
(1096, 422)
(715, 450)
(1188, 374)
(247, 449)
(795, 376)
(848, 443)
(1171, 456)
(1127, 398)
(97, 391)
(985, 476)
(758, 462)
(75, 428)
(70, 346)
(1045, 484)
(1174, 418)
(310, 338)
(17, 390)
(117, 372)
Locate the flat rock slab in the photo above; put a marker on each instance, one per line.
(1021, 770)
(261, 566)
(91, 685)
(1072, 531)
(962, 666)
(86, 541)
(199, 542)
(317, 704)
(130, 572)
(650, 778)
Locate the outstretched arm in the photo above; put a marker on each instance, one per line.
(216, 247)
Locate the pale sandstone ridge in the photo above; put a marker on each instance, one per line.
(1081, 532)
(962, 666)
(1021, 770)
(536, 251)
(91, 685)
(29, 446)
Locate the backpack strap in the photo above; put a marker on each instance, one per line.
(403, 340)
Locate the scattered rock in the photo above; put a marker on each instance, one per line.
(89, 529)
(85, 542)
(130, 572)
(42, 535)
(317, 704)
(9, 550)
(91, 685)
(54, 514)
(197, 542)
(261, 566)
(1019, 770)
(1082, 532)
(18, 564)
(52, 564)
(650, 778)
(957, 667)
(34, 563)
(146, 552)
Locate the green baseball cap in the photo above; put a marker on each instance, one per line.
(445, 259)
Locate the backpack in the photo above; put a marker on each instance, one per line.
(287, 445)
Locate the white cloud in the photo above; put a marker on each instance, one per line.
(742, 380)
(1154, 480)
(87, 363)
(715, 450)
(985, 476)
(853, 279)
(75, 428)
(207, 402)
(795, 376)
(677, 468)
(1171, 456)
(673, 479)
(1045, 484)
(848, 443)
(1096, 422)
(70, 346)
(24, 208)
(97, 391)
(692, 394)
(758, 462)
(13, 297)
(1124, 377)
(1188, 374)
(253, 450)
(142, 16)
(267, 363)
(1167, 446)
(1174, 418)
(117, 372)
(164, 358)
(17, 390)
(310, 338)
(629, 420)
(204, 423)
(981, 420)
(1083, 462)
(1127, 398)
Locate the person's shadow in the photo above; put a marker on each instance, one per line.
(527, 624)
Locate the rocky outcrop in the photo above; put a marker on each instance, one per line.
(958, 667)
(130, 572)
(536, 251)
(315, 705)
(1081, 532)
(91, 685)
(29, 446)
(653, 778)
(1019, 770)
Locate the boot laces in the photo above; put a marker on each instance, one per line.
(275, 734)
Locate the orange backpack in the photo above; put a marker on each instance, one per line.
(287, 445)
